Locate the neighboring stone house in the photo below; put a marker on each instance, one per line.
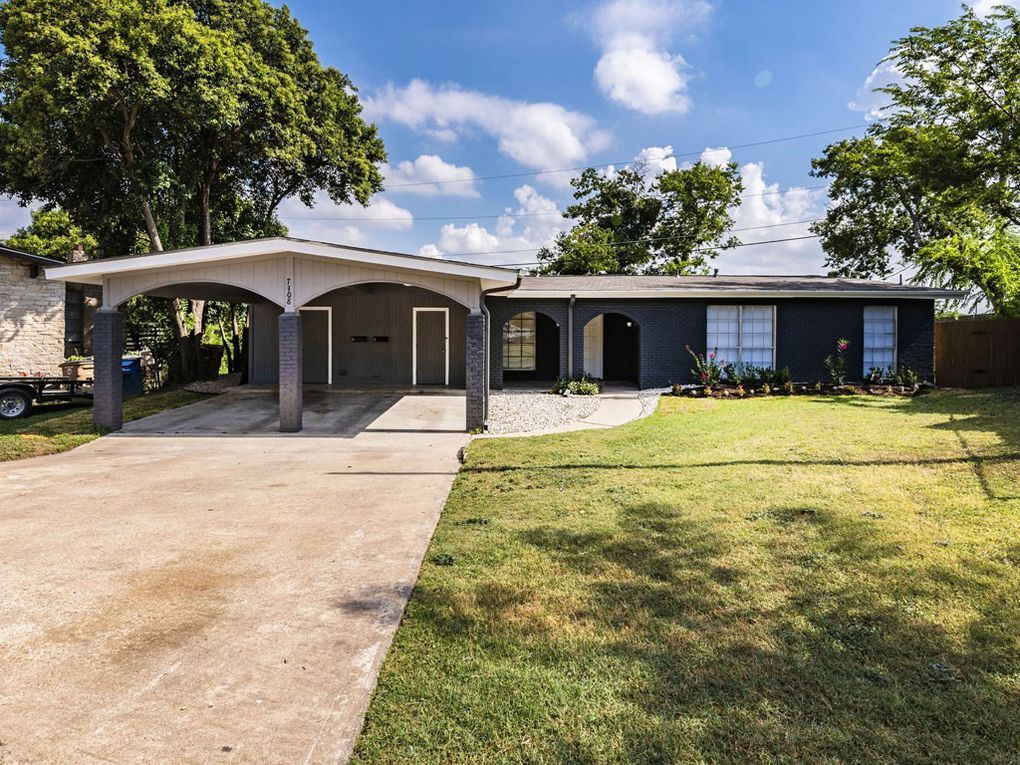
(41, 321)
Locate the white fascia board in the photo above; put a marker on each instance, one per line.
(94, 271)
(737, 294)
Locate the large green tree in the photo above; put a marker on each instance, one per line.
(628, 222)
(935, 184)
(52, 234)
(186, 121)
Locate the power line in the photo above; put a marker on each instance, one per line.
(508, 214)
(523, 174)
(617, 244)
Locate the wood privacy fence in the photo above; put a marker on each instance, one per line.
(977, 352)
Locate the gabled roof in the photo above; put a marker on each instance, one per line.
(720, 287)
(94, 271)
(28, 257)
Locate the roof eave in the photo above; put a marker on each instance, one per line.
(917, 294)
(93, 272)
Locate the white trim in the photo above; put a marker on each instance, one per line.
(414, 342)
(92, 272)
(329, 336)
(726, 294)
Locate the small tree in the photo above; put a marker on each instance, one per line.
(628, 223)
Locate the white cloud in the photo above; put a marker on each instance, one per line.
(343, 224)
(716, 157)
(635, 68)
(644, 79)
(869, 101)
(766, 204)
(655, 160)
(431, 176)
(538, 135)
(984, 7)
(533, 224)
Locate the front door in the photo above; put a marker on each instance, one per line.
(430, 340)
(315, 346)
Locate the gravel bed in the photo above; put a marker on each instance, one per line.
(649, 399)
(511, 412)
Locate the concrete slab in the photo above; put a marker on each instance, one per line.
(337, 414)
(196, 598)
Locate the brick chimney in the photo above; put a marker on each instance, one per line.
(78, 254)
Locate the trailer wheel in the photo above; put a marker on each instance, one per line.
(14, 404)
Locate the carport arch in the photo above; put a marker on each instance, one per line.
(400, 283)
(120, 297)
(620, 332)
(548, 363)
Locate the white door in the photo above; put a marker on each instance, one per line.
(593, 347)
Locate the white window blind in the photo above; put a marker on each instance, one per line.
(879, 337)
(742, 334)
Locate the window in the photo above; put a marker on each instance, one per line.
(743, 334)
(879, 337)
(519, 342)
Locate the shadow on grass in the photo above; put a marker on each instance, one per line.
(820, 646)
(990, 410)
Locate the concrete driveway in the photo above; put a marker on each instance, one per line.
(208, 598)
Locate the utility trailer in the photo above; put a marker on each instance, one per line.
(19, 394)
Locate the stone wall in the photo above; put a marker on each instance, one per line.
(31, 321)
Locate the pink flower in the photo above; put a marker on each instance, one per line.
(843, 345)
(712, 355)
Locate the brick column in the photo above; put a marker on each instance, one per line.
(474, 355)
(291, 402)
(108, 388)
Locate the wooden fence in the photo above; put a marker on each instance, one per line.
(977, 352)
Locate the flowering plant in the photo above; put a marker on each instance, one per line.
(836, 365)
(708, 369)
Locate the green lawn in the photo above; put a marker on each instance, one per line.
(53, 428)
(824, 580)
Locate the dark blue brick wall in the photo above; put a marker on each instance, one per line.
(806, 332)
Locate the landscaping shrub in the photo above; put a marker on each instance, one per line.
(583, 385)
(708, 369)
(836, 365)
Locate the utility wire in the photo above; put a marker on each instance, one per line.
(511, 215)
(617, 244)
(523, 174)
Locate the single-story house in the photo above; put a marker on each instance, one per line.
(334, 315)
(41, 321)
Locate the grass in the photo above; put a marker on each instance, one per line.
(52, 428)
(825, 580)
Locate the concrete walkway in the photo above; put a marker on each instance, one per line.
(207, 597)
(616, 407)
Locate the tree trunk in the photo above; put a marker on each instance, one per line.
(236, 338)
(226, 345)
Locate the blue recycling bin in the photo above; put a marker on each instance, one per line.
(132, 372)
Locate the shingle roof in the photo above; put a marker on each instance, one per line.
(649, 286)
(28, 257)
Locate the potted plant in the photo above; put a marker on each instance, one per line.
(78, 368)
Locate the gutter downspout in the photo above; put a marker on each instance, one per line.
(488, 335)
(570, 337)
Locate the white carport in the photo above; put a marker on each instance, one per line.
(289, 273)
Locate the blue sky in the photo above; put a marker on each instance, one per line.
(467, 89)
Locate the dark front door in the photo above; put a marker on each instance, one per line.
(430, 347)
(315, 347)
